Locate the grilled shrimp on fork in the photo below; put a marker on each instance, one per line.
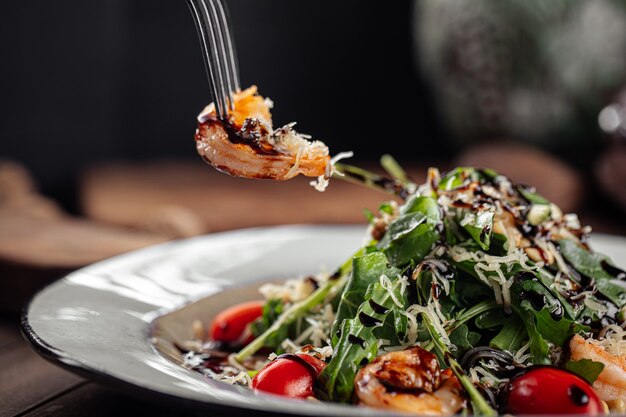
(246, 145)
(235, 133)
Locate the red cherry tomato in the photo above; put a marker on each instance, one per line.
(549, 390)
(289, 375)
(229, 325)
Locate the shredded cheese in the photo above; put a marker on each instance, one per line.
(386, 283)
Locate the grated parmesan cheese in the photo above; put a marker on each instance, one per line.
(613, 340)
(386, 283)
(322, 181)
(489, 269)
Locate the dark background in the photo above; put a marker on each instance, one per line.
(89, 81)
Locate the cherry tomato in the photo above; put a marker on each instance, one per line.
(229, 325)
(549, 390)
(289, 375)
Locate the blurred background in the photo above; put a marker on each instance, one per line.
(98, 102)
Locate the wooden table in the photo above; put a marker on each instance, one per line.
(30, 386)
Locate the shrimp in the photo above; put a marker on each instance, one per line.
(611, 383)
(411, 381)
(247, 146)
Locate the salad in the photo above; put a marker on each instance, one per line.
(471, 295)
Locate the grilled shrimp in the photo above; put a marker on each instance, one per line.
(411, 381)
(247, 146)
(611, 384)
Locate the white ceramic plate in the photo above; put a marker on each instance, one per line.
(107, 320)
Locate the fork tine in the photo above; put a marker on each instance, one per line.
(211, 30)
(205, 45)
(217, 55)
(229, 44)
(221, 50)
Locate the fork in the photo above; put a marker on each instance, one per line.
(218, 51)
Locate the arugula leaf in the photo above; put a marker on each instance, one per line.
(402, 226)
(456, 178)
(558, 332)
(386, 207)
(585, 368)
(412, 234)
(539, 350)
(570, 311)
(539, 306)
(369, 215)
(271, 311)
(512, 335)
(590, 264)
(358, 340)
(531, 195)
(469, 291)
(464, 339)
(428, 206)
(530, 294)
(499, 244)
(366, 270)
(479, 227)
(490, 320)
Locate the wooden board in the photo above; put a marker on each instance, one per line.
(36, 250)
(198, 199)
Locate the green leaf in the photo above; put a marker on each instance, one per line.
(512, 335)
(394, 169)
(401, 227)
(557, 331)
(271, 311)
(529, 293)
(499, 245)
(456, 178)
(539, 350)
(411, 235)
(469, 291)
(547, 279)
(590, 264)
(369, 215)
(479, 227)
(358, 341)
(531, 195)
(366, 270)
(463, 339)
(490, 320)
(386, 207)
(419, 204)
(585, 368)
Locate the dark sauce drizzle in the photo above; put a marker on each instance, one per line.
(356, 340)
(368, 321)
(250, 134)
(378, 309)
(613, 270)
